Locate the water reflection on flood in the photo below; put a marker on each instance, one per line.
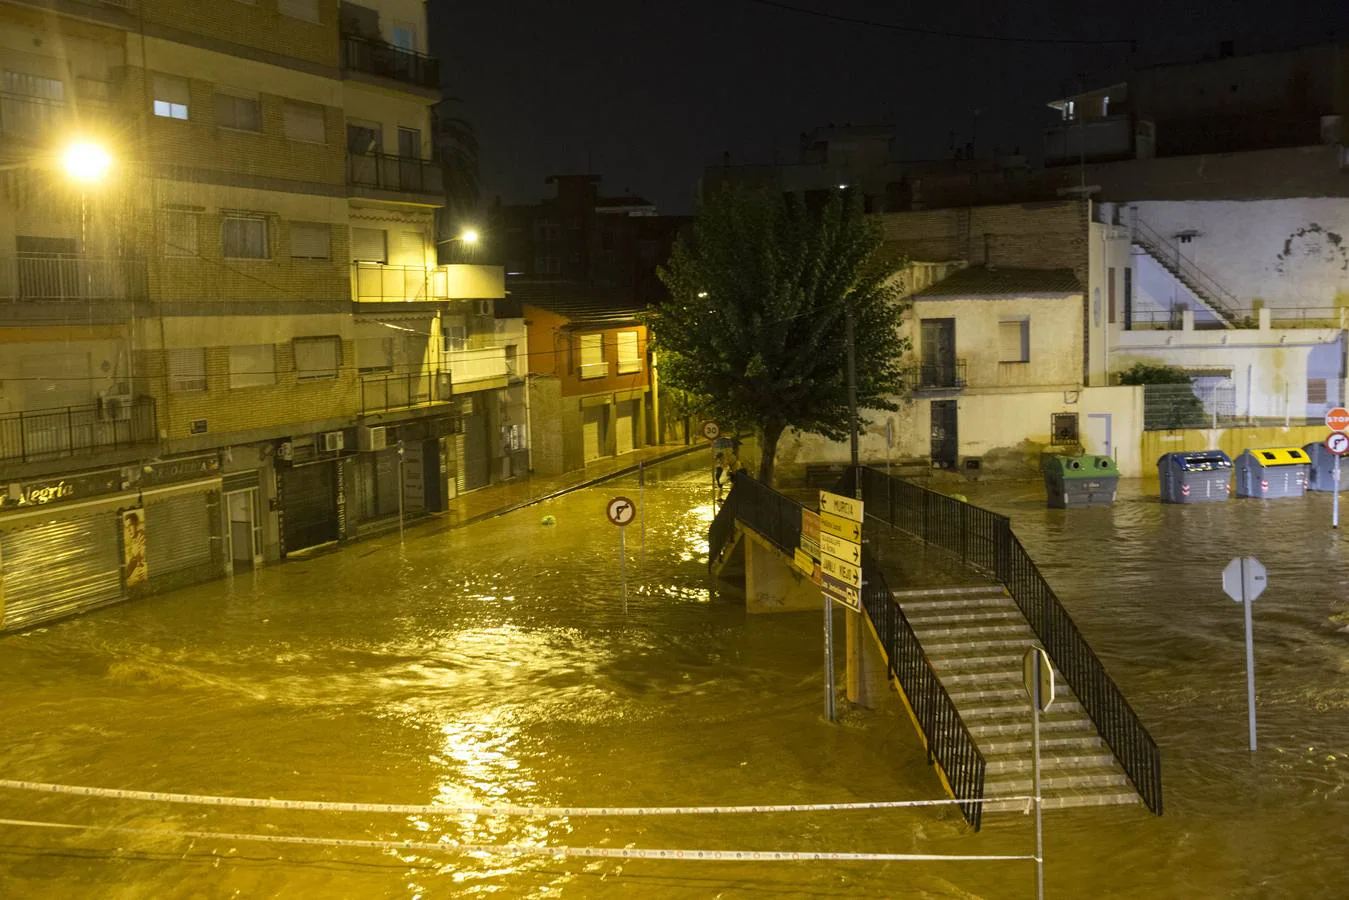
(501, 664)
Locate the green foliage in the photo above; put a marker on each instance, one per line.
(756, 321)
(1144, 373)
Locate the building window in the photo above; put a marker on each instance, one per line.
(187, 370)
(453, 337)
(1063, 427)
(244, 237)
(1316, 391)
(304, 122)
(252, 365)
(30, 105)
(374, 354)
(180, 233)
(405, 36)
(368, 245)
(317, 357)
(171, 96)
(310, 240)
(592, 356)
(547, 265)
(629, 360)
(239, 111)
(513, 360)
(1110, 294)
(1014, 341)
(308, 10)
(409, 143)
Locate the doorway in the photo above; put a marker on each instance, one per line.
(944, 438)
(1099, 437)
(245, 529)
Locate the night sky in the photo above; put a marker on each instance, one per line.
(648, 93)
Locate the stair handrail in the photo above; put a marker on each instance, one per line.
(985, 541)
(1225, 303)
(722, 529)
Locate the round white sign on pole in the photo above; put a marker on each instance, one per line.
(711, 430)
(1338, 443)
(621, 511)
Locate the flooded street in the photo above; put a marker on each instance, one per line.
(499, 664)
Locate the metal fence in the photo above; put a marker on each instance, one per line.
(948, 741)
(378, 58)
(388, 172)
(71, 430)
(1167, 407)
(69, 277)
(984, 540)
(405, 389)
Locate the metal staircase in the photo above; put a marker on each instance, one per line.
(1205, 288)
(976, 638)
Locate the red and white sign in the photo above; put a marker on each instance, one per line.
(1338, 419)
(1338, 443)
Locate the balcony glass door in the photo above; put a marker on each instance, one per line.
(938, 353)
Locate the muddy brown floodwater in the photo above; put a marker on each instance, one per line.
(499, 664)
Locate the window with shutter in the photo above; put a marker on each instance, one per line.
(187, 370)
(317, 357)
(374, 354)
(308, 10)
(180, 233)
(412, 247)
(252, 365)
(368, 245)
(1014, 341)
(592, 356)
(244, 237)
(239, 110)
(1316, 391)
(171, 96)
(629, 360)
(310, 240)
(304, 122)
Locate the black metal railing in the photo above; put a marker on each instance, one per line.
(774, 516)
(111, 424)
(947, 375)
(722, 529)
(984, 540)
(375, 57)
(949, 742)
(400, 390)
(69, 277)
(388, 172)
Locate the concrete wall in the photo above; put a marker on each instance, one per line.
(1269, 368)
(545, 424)
(1231, 441)
(1109, 256)
(1284, 253)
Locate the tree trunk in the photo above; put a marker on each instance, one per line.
(769, 433)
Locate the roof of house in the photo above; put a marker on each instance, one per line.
(977, 281)
(580, 304)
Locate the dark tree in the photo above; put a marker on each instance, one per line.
(755, 323)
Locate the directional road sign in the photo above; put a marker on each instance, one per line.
(835, 546)
(846, 594)
(810, 533)
(1337, 442)
(845, 507)
(841, 571)
(804, 561)
(1036, 672)
(711, 430)
(1338, 419)
(846, 529)
(1244, 578)
(621, 510)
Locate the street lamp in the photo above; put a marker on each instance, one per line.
(468, 236)
(86, 161)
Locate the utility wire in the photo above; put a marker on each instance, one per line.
(937, 32)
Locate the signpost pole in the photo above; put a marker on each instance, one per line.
(1335, 501)
(623, 565)
(1035, 777)
(828, 656)
(401, 489)
(641, 503)
(1250, 655)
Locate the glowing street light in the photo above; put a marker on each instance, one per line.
(470, 236)
(86, 161)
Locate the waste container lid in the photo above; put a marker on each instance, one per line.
(1279, 456)
(1198, 460)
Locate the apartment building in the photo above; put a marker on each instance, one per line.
(231, 345)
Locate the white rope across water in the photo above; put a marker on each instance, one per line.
(526, 849)
(436, 810)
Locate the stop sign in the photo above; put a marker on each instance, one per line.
(1338, 419)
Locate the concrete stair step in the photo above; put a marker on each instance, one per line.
(954, 592)
(963, 695)
(939, 618)
(1055, 761)
(1021, 746)
(970, 631)
(1021, 785)
(1012, 648)
(971, 672)
(1017, 711)
(1066, 800)
(989, 602)
(1006, 728)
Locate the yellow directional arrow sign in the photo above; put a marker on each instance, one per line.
(842, 571)
(847, 507)
(840, 528)
(844, 550)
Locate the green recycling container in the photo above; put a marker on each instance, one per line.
(1075, 481)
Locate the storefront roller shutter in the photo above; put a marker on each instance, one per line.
(55, 570)
(177, 534)
(475, 463)
(310, 510)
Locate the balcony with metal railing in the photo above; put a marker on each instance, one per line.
(69, 278)
(948, 375)
(384, 392)
(373, 282)
(115, 423)
(375, 57)
(475, 364)
(398, 174)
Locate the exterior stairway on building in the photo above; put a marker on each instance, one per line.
(1206, 290)
(976, 637)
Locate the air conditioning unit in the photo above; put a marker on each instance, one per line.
(285, 450)
(332, 441)
(117, 408)
(372, 437)
(444, 386)
(482, 307)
